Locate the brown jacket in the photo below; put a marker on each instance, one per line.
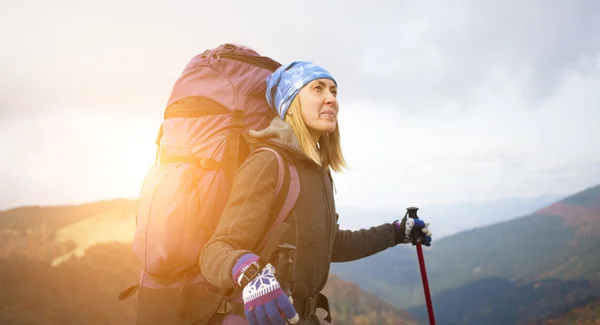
(315, 232)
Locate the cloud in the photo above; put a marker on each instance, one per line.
(441, 101)
(508, 149)
(123, 58)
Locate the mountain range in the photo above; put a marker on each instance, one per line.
(448, 218)
(533, 268)
(527, 268)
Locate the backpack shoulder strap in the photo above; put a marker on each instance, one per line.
(287, 192)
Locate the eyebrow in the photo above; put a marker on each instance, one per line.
(325, 85)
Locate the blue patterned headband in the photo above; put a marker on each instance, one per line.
(285, 83)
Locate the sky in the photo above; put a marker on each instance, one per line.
(440, 101)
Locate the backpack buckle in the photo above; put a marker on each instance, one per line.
(227, 47)
(238, 118)
(225, 307)
(208, 163)
(310, 306)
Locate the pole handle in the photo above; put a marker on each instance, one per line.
(411, 212)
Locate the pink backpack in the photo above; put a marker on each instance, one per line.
(219, 96)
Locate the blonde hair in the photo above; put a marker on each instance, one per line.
(329, 151)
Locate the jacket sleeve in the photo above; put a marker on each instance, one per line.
(350, 245)
(244, 218)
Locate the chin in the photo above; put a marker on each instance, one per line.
(323, 128)
(327, 129)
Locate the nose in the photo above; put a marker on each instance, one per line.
(330, 99)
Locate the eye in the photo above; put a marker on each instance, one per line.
(318, 87)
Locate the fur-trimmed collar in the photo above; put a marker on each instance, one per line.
(279, 133)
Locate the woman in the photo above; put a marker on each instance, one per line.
(304, 96)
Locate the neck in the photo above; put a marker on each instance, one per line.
(315, 137)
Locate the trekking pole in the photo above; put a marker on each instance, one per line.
(412, 213)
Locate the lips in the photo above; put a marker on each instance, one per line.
(328, 112)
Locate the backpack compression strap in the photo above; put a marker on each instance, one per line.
(234, 141)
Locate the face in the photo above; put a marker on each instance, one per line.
(319, 106)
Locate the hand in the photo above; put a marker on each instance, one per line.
(265, 303)
(413, 231)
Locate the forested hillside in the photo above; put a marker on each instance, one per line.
(83, 290)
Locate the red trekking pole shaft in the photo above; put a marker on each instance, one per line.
(425, 284)
(412, 213)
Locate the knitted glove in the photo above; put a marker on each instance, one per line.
(265, 303)
(409, 230)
